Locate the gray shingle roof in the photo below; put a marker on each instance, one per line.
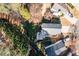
(50, 25)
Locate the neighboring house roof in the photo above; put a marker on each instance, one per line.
(67, 12)
(63, 7)
(57, 48)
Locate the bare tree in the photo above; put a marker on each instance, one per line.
(73, 36)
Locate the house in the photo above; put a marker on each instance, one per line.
(60, 7)
(52, 29)
(67, 19)
(48, 29)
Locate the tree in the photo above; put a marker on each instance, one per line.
(73, 38)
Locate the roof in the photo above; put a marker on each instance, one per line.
(57, 47)
(50, 25)
(41, 35)
(63, 7)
